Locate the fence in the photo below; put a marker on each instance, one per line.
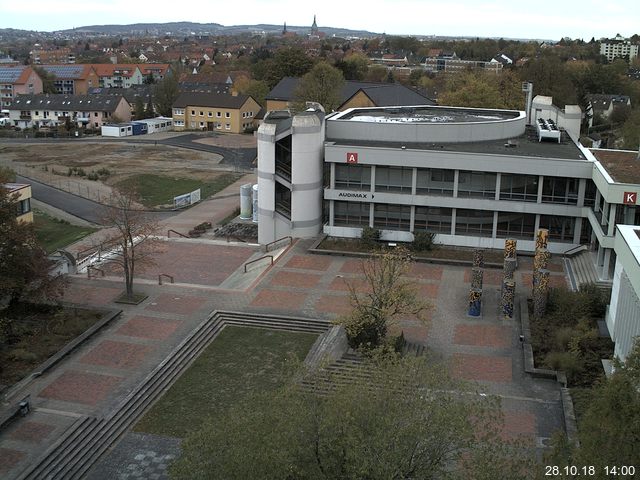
(92, 190)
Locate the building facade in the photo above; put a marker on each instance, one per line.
(214, 112)
(618, 47)
(72, 79)
(18, 80)
(22, 194)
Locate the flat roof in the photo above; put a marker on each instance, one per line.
(522, 146)
(622, 165)
(13, 187)
(426, 114)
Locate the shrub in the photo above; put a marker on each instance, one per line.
(93, 176)
(22, 355)
(422, 241)
(567, 362)
(370, 237)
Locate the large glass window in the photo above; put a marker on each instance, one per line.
(476, 184)
(353, 177)
(519, 187)
(435, 181)
(474, 222)
(560, 228)
(560, 190)
(516, 225)
(283, 200)
(394, 179)
(282, 157)
(350, 214)
(590, 193)
(433, 219)
(391, 217)
(23, 206)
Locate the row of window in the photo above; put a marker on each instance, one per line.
(179, 111)
(472, 184)
(439, 220)
(217, 125)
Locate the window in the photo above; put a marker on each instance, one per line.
(201, 124)
(477, 223)
(560, 228)
(218, 114)
(95, 114)
(227, 126)
(590, 194)
(193, 113)
(434, 181)
(393, 179)
(560, 190)
(244, 114)
(192, 124)
(201, 113)
(209, 114)
(178, 111)
(516, 225)
(433, 219)
(227, 115)
(23, 206)
(476, 184)
(353, 177)
(519, 187)
(351, 214)
(391, 217)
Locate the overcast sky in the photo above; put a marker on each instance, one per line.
(513, 19)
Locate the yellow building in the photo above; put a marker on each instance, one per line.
(214, 112)
(23, 200)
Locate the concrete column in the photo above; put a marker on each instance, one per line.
(373, 179)
(453, 220)
(536, 224)
(414, 182)
(498, 179)
(371, 214)
(331, 212)
(412, 220)
(456, 177)
(604, 271)
(582, 188)
(577, 229)
(332, 180)
(612, 219)
(540, 184)
(494, 231)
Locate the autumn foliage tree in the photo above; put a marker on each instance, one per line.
(323, 84)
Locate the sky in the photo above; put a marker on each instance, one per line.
(509, 19)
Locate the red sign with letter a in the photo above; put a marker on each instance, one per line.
(352, 157)
(630, 198)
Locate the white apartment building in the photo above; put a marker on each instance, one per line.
(618, 47)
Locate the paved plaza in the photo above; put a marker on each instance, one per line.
(105, 369)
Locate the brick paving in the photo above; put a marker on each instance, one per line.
(148, 327)
(482, 368)
(80, 387)
(490, 276)
(32, 432)
(555, 281)
(92, 380)
(482, 335)
(116, 354)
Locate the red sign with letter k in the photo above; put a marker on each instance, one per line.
(630, 198)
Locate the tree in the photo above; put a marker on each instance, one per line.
(150, 112)
(139, 108)
(483, 90)
(609, 430)
(48, 80)
(386, 296)
(323, 84)
(165, 93)
(287, 62)
(25, 270)
(354, 67)
(131, 237)
(394, 419)
(257, 89)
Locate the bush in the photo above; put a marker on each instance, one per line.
(22, 355)
(93, 176)
(370, 237)
(422, 241)
(567, 362)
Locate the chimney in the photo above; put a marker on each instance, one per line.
(234, 93)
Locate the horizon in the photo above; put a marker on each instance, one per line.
(494, 19)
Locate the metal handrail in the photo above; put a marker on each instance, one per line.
(170, 277)
(266, 247)
(257, 259)
(571, 250)
(91, 267)
(175, 231)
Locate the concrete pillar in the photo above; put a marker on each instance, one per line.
(582, 188)
(456, 177)
(604, 271)
(612, 219)
(498, 179)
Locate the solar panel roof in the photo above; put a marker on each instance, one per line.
(65, 71)
(10, 74)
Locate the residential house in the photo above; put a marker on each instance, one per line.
(23, 200)
(72, 79)
(503, 59)
(60, 55)
(353, 94)
(604, 105)
(157, 70)
(618, 47)
(82, 111)
(214, 112)
(18, 80)
(446, 63)
(118, 75)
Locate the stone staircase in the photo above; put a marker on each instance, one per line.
(582, 271)
(71, 457)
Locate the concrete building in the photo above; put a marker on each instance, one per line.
(618, 47)
(214, 112)
(569, 118)
(623, 313)
(72, 79)
(23, 200)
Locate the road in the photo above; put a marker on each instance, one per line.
(79, 206)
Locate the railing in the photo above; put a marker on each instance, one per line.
(176, 232)
(266, 247)
(574, 250)
(256, 260)
(170, 277)
(91, 267)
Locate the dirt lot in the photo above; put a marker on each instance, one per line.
(50, 163)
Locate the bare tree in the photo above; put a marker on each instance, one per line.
(385, 297)
(131, 235)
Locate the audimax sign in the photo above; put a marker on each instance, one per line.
(354, 195)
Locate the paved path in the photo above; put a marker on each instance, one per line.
(97, 376)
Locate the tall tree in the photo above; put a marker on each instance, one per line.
(323, 84)
(165, 93)
(25, 270)
(482, 90)
(395, 419)
(132, 235)
(139, 108)
(354, 67)
(48, 80)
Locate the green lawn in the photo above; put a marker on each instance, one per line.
(240, 360)
(54, 234)
(157, 190)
